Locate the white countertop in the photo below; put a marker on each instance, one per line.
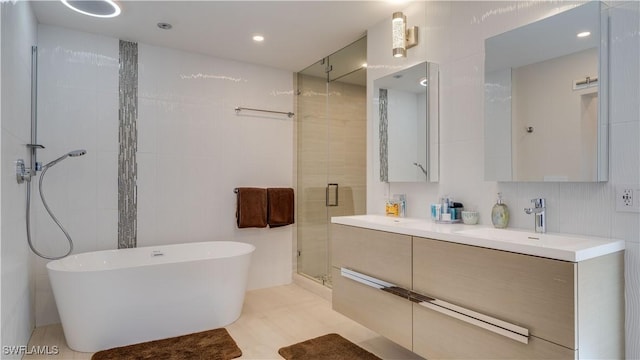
(567, 247)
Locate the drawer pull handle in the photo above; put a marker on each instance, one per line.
(492, 324)
(486, 322)
(375, 283)
(365, 279)
(398, 291)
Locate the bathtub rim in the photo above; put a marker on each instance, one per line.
(55, 265)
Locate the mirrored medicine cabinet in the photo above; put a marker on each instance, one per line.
(406, 114)
(546, 99)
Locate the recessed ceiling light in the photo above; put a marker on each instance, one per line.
(364, 65)
(96, 8)
(583, 34)
(164, 26)
(258, 38)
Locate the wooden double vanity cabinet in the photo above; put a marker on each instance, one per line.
(443, 299)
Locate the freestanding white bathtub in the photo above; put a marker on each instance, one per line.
(120, 297)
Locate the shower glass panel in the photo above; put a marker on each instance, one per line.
(331, 152)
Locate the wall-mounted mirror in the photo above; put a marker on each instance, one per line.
(407, 112)
(546, 99)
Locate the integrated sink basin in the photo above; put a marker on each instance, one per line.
(387, 220)
(559, 246)
(523, 236)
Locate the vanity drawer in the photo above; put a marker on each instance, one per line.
(534, 293)
(380, 254)
(382, 312)
(433, 338)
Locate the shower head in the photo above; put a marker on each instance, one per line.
(74, 153)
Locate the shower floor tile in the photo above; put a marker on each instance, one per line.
(271, 318)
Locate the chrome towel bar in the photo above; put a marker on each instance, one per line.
(289, 114)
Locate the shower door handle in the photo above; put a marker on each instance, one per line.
(331, 193)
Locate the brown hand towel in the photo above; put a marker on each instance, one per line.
(251, 210)
(280, 203)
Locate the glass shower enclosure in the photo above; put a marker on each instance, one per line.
(331, 131)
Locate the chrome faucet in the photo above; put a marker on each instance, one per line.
(538, 210)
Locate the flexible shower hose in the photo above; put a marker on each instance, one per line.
(44, 202)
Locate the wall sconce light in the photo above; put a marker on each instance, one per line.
(402, 38)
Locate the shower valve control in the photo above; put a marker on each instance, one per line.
(22, 173)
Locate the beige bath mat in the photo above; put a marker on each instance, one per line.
(326, 347)
(212, 344)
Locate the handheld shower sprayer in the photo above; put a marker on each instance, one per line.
(46, 167)
(73, 153)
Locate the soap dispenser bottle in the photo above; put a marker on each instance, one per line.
(500, 214)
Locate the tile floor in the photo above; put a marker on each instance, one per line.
(271, 318)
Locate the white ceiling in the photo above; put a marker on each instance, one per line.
(297, 33)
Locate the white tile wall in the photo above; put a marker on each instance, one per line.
(193, 150)
(458, 30)
(77, 109)
(18, 35)
(624, 143)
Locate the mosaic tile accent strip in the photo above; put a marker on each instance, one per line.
(127, 139)
(384, 151)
